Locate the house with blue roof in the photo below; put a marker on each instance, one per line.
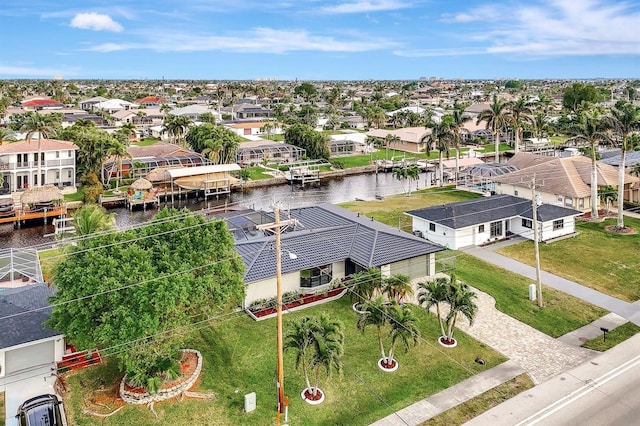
(326, 244)
(488, 219)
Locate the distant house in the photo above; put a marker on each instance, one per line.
(329, 243)
(488, 219)
(246, 110)
(194, 112)
(19, 163)
(352, 143)
(89, 104)
(113, 105)
(151, 101)
(253, 128)
(410, 139)
(41, 104)
(255, 152)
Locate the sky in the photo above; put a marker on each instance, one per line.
(319, 39)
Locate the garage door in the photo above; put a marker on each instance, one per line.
(30, 357)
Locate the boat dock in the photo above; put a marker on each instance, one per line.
(18, 217)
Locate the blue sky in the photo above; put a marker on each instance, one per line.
(319, 39)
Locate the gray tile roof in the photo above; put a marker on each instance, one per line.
(327, 234)
(488, 209)
(18, 322)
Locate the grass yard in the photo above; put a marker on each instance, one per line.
(147, 142)
(48, 261)
(239, 357)
(615, 336)
(472, 408)
(257, 173)
(391, 209)
(602, 260)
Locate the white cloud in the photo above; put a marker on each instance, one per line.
(550, 28)
(23, 71)
(364, 6)
(95, 21)
(258, 40)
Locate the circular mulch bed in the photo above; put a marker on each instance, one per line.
(627, 230)
(447, 343)
(308, 396)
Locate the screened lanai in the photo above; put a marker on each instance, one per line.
(145, 165)
(256, 152)
(479, 177)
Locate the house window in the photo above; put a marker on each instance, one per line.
(69, 174)
(57, 154)
(70, 153)
(432, 227)
(515, 192)
(558, 224)
(315, 277)
(560, 198)
(527, 223)
(568, 201)
(581, 202)
(481, 229)
(496, 229)
(57, 176)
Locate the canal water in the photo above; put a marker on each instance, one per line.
(336, 190)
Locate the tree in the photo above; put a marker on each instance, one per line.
(578, 93)
(44, 126)
(92, 218)
(397, 287)
(328, 347)
(442, 138)
(375, 114)
(434, 293)
(177, 126)
(461, 302)
(306, 90)
(407, 173)
(304, 136)
(129, 129)
(623, 120)
(459, 119)
(609, 195)
(140, 290)
(520, 112)
(364, 284)
(403, 329)
(588, 130)
(374, 314)
(496, 119)
(299, 338)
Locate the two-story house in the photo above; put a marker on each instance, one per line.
(19, 164)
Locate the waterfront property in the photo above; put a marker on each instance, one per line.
(488, 219)
(327, 244)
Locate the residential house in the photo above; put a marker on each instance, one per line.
(193, 112)
(560, 181)
(151, 101)
(254, 128)
(38, 104)
(258, 151)
(487, 219)
(351, 143)
(243, 111)
(327, 244)
(19, 163)
(410, 139)
(89, 104)
(113, 105)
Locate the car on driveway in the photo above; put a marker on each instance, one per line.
(43, 410)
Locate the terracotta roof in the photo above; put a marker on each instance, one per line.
(45, 145)
(41, 102)
(151, 100)
(159, 149)
(252, 125)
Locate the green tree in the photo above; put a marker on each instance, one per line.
(403, 329)
(307, 90)
(442, 137)
(623, 120)
(397, 287)
(374, 313)
(304, 136)
(328, 348)
(520, 113)
(496, 119)
(578, 93)
(364, 284)
(140, 290)
(92, 218)
(177, 126)
(461, 302)
(434, 293)
(299, 338)
(44, 126)
(129, 129)
(407, 173)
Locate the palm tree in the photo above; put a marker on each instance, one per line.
(461, 301)
(119, 151)
(496, 118)
(397, 287)
(433, 293)
(230, 144)
(299, 338)
(403, 329)
(42, 125)
(129, 129)
(520, 112)
(212, 150)
(364, 284)
(441, 137)
(459, 120)
(328, 347)
(407, 173)
(267, 128)
(92, 218)
(588, 130)
(374, 314)
(177, 126)
(623, 120)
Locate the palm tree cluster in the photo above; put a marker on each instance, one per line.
(214, 141)
(318, 343)
(369, 283)
(457, 296)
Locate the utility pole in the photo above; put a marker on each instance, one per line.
(535, 239)
(276, 228)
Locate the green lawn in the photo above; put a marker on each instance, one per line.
(615, 336)
(76, 196)
(602, 260)
(147, 142)
(239, 357)
(257, 173)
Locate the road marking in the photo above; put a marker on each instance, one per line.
(580, 392)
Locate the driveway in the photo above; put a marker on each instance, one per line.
(20, 387)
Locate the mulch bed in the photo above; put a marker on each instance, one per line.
(309, 395)
(627, 230)
(188, 364)
(388, 365)
(303, 300)
(445, 341)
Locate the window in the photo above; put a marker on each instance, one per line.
(527, 223)
(560, 198)
(315, 277)
(481, 228)
(57, 154)
(432, 227)
(581, 202)
(69, 174)
(69, 153)
(496, 229)
(558, 224)
(515, 192)
(568, 201)
(57, 175)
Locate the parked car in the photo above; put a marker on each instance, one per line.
(40, 411)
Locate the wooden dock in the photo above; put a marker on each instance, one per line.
(21, 216)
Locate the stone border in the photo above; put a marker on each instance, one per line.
(163, 394)
(311, 401)
(453, 345)
(388, 370)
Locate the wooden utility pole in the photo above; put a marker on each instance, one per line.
(535, 239)
(276, 228)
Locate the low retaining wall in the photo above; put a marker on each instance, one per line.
(145, 398)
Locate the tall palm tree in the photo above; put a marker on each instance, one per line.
(374, 314)
(623, 120)
(364, 284)
(397, 287)
(441, 138)
(407, 173)
(42, 125)
(212, 150)
(388, 140)
(129, 129)
(403, 328)
(328, 347)
(588, 130)
(433, 293)
(119, 151)
(459, 120)
(230, 144)
(496, 118)
(461, 302)
(92, 218)
(299, 338)
(520, 112)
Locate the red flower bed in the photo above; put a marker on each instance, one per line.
(446, 341)
(303, 300)
(79, 360)
(308, 394)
